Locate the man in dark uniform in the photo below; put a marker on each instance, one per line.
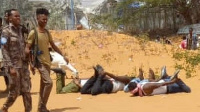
(15, 63)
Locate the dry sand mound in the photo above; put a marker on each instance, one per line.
(119, 54)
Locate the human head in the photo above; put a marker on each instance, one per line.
(6, 18)
(42, 16)
(184, 37)
(132, 86)
(14, 17)
(190, 30)
(158, 37)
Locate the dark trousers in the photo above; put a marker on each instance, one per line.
(179, 86)
(97, 85)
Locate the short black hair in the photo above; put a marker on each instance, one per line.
(190, 29)
(0, 19)
(132, 86)
(42, 11)
(9, 12)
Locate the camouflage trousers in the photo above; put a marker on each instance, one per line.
(61, 88)
(20, 84)
(46, 85)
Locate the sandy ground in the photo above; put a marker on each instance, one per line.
(119, 54)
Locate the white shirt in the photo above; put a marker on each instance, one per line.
(117, 86)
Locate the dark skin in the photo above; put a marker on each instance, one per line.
(124, 79)
(149, 87)
(42, 22)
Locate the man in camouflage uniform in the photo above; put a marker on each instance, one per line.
(6, 19)
(15, 63)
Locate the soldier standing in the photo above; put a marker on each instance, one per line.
(15, 63)
(43, 39)
(6, 19)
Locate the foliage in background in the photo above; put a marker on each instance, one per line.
(27, 11)
(182, 12)
(187, 60)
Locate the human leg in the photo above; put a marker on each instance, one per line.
(177, 87)
(141, 74)
(86, 89)
(60, 79)
(164, 74)
(151, 75)
(183, 86)
(26, 88)
(6, 82)
(102, 86)
(60, 83)
(45, 87)
(13, 91)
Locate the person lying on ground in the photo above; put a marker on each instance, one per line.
(100, 82)
(104, 82)
(140, 79)
(172, 85)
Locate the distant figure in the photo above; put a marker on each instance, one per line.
(79, 27)
(157, 39)
(166, 41)
(191, 40)
(183, 44)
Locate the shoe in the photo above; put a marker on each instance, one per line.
(151, 75)
(163, 72)
(100, 69)
(175, 76)
(95, 72)
(43, 110)
(141, 76)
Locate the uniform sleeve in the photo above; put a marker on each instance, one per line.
(31, 36)
(5, 49)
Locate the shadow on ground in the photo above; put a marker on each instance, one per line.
(63, 109)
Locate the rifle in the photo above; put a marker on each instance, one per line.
(33, 57)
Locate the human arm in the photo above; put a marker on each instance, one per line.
(123, 79)
(148, 88)
(29, 43)
(58, 50)
(6, 52)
